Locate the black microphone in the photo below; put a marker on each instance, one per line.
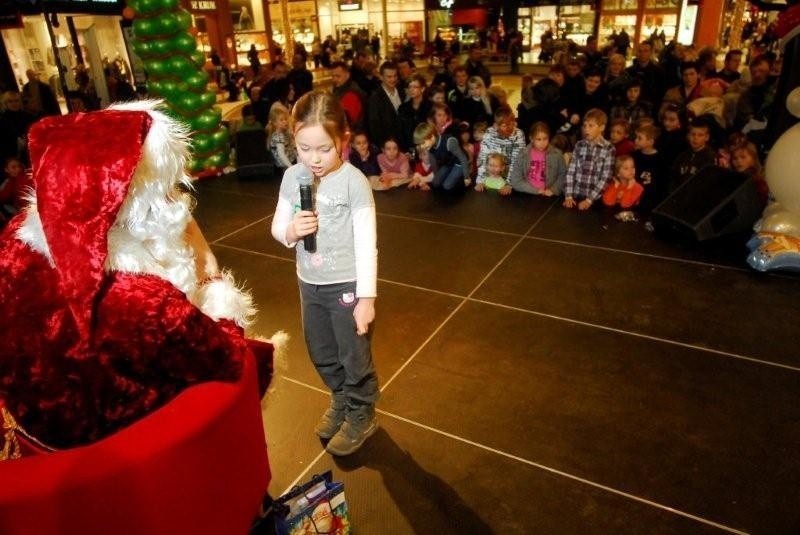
(305, 179)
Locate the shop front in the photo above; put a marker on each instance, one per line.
(657, 20)
(88, 45)
(302, 22)
(363, 20)
(566, 21)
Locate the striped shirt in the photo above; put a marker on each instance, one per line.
(590, 169)
(509, 147)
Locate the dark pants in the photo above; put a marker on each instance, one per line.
(343, 358)
(448, 177)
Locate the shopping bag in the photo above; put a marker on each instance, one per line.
(314, 508)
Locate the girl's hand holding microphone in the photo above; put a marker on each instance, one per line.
(305, 222)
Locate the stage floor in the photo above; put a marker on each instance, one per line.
(540, 373)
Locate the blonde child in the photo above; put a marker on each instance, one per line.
(279, 138)
(424, 162)
(504, 137)
(540, 168)
(395, 169)
(338, 281)
(480, 105)
(496, 165)
(623, 191)
(449, 163)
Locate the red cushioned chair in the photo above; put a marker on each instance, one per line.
(198, 465)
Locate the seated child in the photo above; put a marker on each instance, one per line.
(672, 140)
(442, 119)
(395, 170)
(13, 186)
(633, 108)
(437, 94)
(592, 163)
(744, 159)
(495, 167)
(451, 164)
(424, 162)
(623, 191)
(698, 156)
(649, 168)
(478, 131)
(504, 137)
(564, 144)
(249, 121)
(280, 139)
(619, 136)
(364, 156)
(540, 167)
(465, 139)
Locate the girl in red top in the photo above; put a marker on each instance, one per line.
(623, 190)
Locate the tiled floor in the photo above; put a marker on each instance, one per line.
(541, 374)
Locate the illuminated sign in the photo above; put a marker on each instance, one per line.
(203, 5)
(446, 4)
(349, 5)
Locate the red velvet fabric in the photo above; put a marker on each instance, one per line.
(148, 343)
(198, 465)
(81, 177)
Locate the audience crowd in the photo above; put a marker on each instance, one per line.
(597, 129)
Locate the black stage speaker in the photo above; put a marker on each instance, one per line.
(712, 203)
(253, 160)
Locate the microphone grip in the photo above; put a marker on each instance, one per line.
(307, 203)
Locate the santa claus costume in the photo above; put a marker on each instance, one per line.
(110, 306)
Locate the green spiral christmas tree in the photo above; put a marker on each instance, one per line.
(175, 73)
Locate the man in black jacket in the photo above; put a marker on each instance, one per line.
(383, 120)
(652, 76)
(475, 66)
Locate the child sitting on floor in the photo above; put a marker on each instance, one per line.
(395, 170)
(623, 191)
(540, 167)
(495, 167)
(364, 156)
(424, 163)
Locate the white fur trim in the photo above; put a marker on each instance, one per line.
(222, 299)
(31, 232)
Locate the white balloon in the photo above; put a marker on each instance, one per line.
(783, 163)
(793, 102)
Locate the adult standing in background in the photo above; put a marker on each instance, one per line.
(651, 74)
(383, 120)
(475, 66)
(351, 97)
(40, 98)
(300, 77)
(255, 62)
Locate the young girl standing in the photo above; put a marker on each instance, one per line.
(338, 281)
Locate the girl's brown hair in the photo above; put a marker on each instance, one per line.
(320, 108)
(537, 127)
